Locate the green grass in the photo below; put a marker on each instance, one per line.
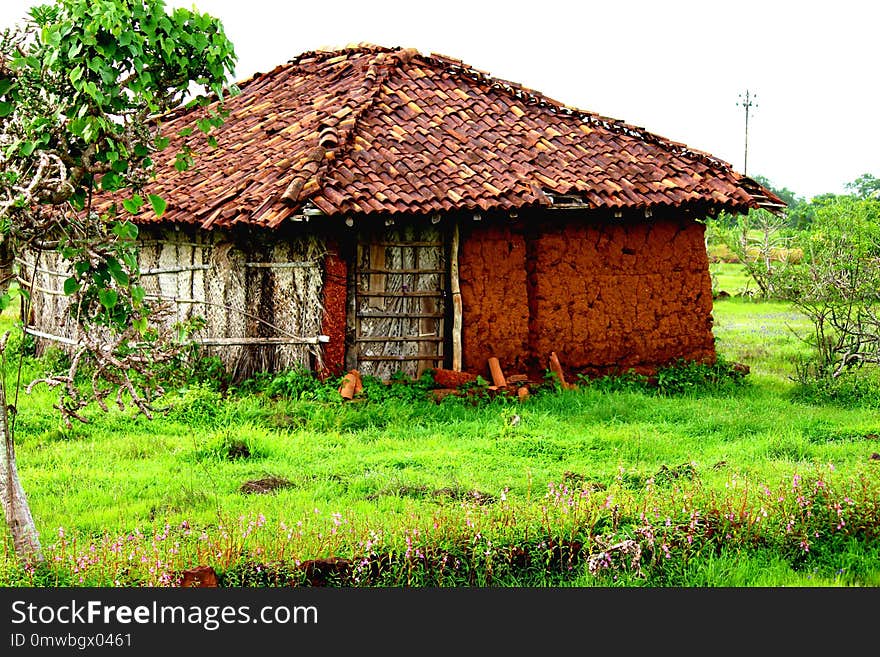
(731, 278)
(768, 336)
(125, 500)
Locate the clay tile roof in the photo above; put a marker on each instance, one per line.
(366, 130)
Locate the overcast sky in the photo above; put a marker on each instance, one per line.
(675, 67)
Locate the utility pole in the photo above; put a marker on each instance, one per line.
(747, 104)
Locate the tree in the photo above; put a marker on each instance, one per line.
(837, 285)
(760, 241)
(865, 186)
(83, 85)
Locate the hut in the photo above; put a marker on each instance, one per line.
(385, 210)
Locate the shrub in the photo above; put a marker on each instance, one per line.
(199, 405)
(853, 388)
(687, 376)
(300, 383)
(680, 377)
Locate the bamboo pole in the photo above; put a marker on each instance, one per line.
(456, 300)
(219, 342)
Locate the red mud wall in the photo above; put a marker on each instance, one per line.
(495, 305)
(609, 297)
(333, 325)
(604, 296)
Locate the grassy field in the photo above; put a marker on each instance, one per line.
(720, 485)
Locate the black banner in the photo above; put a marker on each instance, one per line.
(387, 621)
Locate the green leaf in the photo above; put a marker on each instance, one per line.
(129, 231)
(133, 204)
(159, 205)
(6, 108)
(71, 286)
(5, 300)
(138, 293)
(120, 277)
(111, 181)
(5, 85)
(79, 199)
(75, 75)
(108, 298)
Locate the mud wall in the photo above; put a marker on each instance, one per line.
(335, 304)
(495, 304)
(606, 296)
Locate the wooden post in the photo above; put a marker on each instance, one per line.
(497, 375)
(377, 280)
(557, 369)
(456, 300)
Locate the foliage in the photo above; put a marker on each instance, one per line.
(837, 286)
(853, 388)
(81, 85)
(678, 378)
(399, 387)
(195, 405)
(300, 383)
(760, 241)
(865, 186)
(683, 377)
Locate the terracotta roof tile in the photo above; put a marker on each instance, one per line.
(377, 130)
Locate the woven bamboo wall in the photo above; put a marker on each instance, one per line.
(259, 293)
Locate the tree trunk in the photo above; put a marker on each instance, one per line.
(25, 539)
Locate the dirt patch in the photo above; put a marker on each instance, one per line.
(200, 577)
(452, 492)
(264, 485)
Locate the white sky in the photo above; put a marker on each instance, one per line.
(674, 67)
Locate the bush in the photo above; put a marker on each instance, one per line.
(197, 405)
(678, 378)
(400, 387)
(852, 389)
(302, 384)
(687, 376)
(837, 285)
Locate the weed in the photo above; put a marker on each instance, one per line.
(854, 388)
(199, 404)
(684, 377)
